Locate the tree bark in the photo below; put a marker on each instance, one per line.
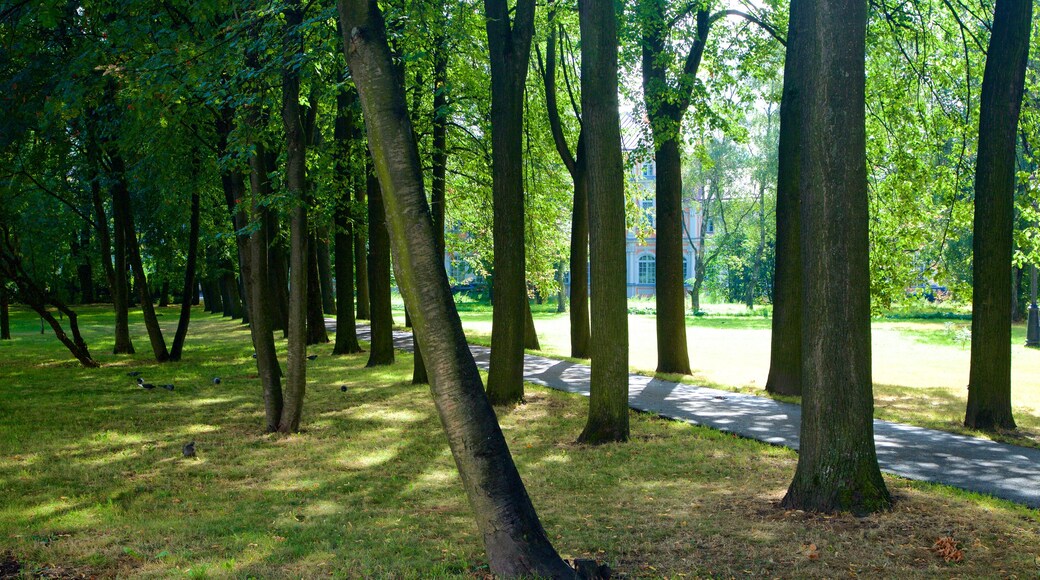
(509, 45)
(328, 302)
(608, 403)
(785, 355)
(121, 198)
(514, 539)
(381, 349)
(837, 463)
(299, 254)
(278, 270)
(118, 280)
(189, 279)
(233, 298)
(989, 382)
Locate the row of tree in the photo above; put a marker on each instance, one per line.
(116, 106)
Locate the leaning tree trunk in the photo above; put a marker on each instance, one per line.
(296, 183)
(989, 381)
(785, 355)
(608, 403)
(189, 279)
(381, 349)
(509, 45)
(121, 198)
(514, 539)
(837, 463)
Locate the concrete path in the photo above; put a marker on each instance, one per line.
(1005, 471)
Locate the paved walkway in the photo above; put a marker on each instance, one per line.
(1005, 471)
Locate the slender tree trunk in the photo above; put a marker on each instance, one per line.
(164, 294)
(989, 382)
(837, 463)
(381, 349)
(515, 541)
(580, 325)
(5, 312)
(84, 272)
(232, 183)
(785, 355)
(278, 272)
(1017, 312)
(608, 403)
(189, 279)
(324, 257)
(225, 290)
(121, 198)
(561, 295)
(120, 285)
(509, 44)
(233, 299)
(316, 332)
(347, 133)
(299, 266)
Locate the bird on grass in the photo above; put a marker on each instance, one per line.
(312, 356)
(144, 385)
(216, 380)
(343, 388)
(254, 355)
(189, 449)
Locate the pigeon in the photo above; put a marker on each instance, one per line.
(189, 449)
(254, 355)
(144, 385)
(133, 374)
(312, 356)
(216, 380)
(167, 387)
(343, 388)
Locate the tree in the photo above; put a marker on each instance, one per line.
(576, 166)
(989, 383)
(608, 404)
(785, 353)
(381, 350)
(509, 44)
(347, 135)
(837, 463)
(515, 542)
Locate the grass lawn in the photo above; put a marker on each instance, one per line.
(920, 367)
(92, 481)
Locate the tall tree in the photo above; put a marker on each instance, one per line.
(347, 135)
(785, 354)
(509, 45)
(299, 255)
(514, 539)
(5, 312)
(989, 382)
(608, 404)
(189, 279)
(575, 164)
(837, 463)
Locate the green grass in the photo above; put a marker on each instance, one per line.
(92, 481)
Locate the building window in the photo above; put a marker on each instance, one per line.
(685, 270)
(647, 269)
(648, 170)
(710, 226)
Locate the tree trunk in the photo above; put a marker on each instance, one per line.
(84, 272)
(278, 272)
(785, 355)
(580, 326)
(381, 349)
(5, 312)
(299, 254)
(989, 382)
(316, 332)
(328, 302)
(837, 463)
(121, 198)
(164, 294)
(232, 298)
(189, 279)
(608, 403)
(232, 183)
(672, 353)
(346, 168)
(120, 285)
(509, 45)
(359, 216)
(514, 539)
(1017, 312)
